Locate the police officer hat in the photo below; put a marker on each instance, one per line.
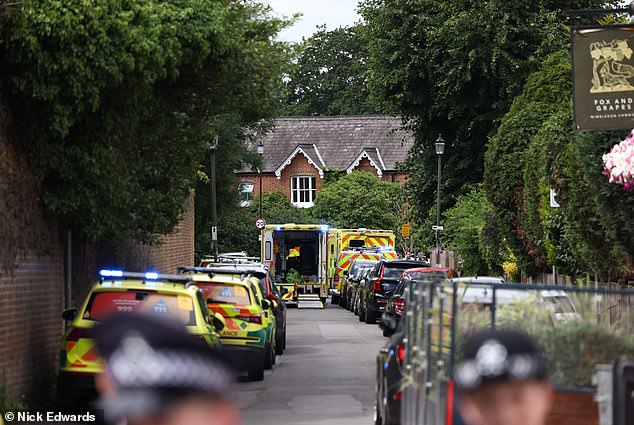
(491, 356)
(155, 362)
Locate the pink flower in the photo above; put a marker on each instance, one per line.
(619, 163)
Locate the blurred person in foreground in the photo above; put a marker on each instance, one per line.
(158, 374)
(503, 380)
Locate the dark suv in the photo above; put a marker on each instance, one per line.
(381, 284)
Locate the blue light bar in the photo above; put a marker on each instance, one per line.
(151, 275)
(325, 228)
(110, 273)
(278, 228)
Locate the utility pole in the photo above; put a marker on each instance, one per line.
(214, 212)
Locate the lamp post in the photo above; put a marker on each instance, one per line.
(440, 150)
(214, 214)
(261, 153)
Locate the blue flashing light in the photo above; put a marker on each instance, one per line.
(111, 273)
(151, 275)
(278, 228)
(324, 228)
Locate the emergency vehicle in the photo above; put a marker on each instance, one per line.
(348, 245)
(297, 254)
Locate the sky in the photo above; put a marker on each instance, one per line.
(333, 13)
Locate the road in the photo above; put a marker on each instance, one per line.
(325, 377)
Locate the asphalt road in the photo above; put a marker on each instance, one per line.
(325, 377)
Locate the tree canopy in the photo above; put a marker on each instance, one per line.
(119, 101)
(454, 67)
(329, 75)
(360, 199)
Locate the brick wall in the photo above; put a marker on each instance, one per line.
(31, 279)
(365, 165)
(270, 183)
(32, 286)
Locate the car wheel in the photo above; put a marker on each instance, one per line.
(284, 339)
(370, 317)
(268, 357)
(256, 374)
(378, 420)
(279, 345)
(361, 313)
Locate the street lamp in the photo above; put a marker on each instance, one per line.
(440, 150)
(261, 153)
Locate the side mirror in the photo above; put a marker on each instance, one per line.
(266, 304)
(283, 290)
(70, 314)
(388, 324)
(218, 321)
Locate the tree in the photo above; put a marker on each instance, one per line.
(329, 76)
(454, 67)
(466, 233)
(118, 101)
(360, 199)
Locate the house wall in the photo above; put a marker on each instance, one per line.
(270, 183)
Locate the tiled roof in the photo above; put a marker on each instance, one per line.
(336, 142)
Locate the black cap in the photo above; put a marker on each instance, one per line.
(155, 362)
(491, 356)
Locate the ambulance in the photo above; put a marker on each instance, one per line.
(298, 254)
(348, 245)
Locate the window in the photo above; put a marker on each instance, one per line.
(246, 193)
(303, 191)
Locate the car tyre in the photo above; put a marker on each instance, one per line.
(279, 344)
(256, 374)
(370, 317)
(269, 355)
(361, 314)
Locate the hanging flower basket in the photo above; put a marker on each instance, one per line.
(619, 163)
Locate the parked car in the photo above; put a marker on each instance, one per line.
(249, 337)
(359, 290)
(396, 303)
(171, 297)
(389, 374)
(268, 288)
(354, 278)
(381, 284)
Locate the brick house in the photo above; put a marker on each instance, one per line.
(299, 152)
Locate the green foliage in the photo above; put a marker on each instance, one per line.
(465, 234)
(118, 100)
(360, 199)
(454, 67)
(328, 77)
(536, 148)
(293, 276)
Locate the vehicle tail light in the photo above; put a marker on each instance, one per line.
(399, 306)
(251, 318)
(266, 314)
(336, 278)
(398, 396)
(377, 284)
(450, 403)
(400, 354)
(76, 334)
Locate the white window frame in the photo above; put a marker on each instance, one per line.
(246, 188)
(309, 191)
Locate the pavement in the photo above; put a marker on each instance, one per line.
(325, 377)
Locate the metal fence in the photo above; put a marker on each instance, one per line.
(577, 328)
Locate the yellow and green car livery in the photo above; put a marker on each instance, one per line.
(118, 292)
(248, 339)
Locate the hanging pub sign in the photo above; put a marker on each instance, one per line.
(603, 77)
